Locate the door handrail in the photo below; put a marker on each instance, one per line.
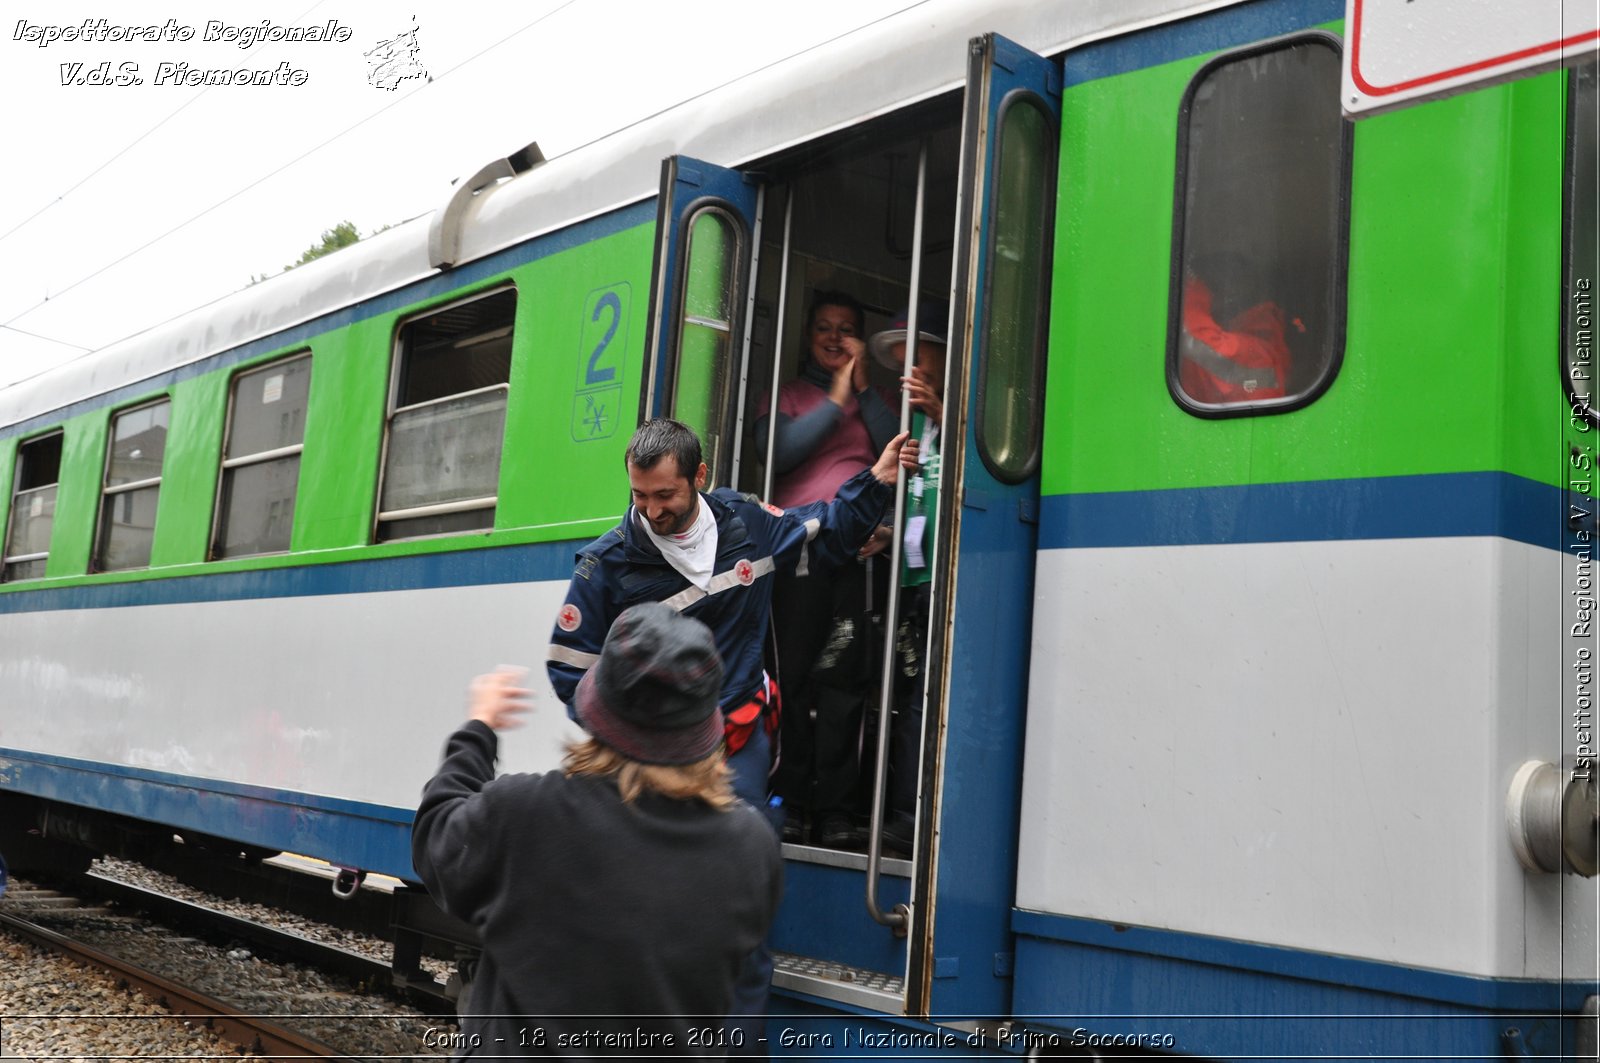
(899, 916)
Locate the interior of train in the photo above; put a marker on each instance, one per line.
(840, 217)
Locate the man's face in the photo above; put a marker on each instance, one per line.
(666, 497)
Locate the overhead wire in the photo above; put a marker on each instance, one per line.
(135, 142)
(748, 73)
(49, 339)
(470, 59)
(297, 159)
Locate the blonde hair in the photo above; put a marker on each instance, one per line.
(708, 780)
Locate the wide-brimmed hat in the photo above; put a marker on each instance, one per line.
(653, 694)
(932, 315)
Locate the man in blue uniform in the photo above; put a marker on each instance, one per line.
(712, 556)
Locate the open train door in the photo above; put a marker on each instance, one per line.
(931, 937)
(964, 882)
(708, 226)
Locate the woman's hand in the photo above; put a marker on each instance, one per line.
(850, 378)
(924, 396)
(498, 700)
(858, 363)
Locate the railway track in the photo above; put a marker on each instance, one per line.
(368, 974)
(271, 992)
(251, 1033)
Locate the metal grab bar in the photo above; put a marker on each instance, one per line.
(900, 916)
(777, 347)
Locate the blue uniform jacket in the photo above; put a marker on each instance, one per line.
(754, 541)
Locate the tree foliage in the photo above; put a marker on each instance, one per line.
(341, 235)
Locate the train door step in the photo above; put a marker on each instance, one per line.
(835, 981)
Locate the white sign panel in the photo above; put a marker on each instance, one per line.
(1401, 51)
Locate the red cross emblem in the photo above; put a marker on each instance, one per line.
(770, 508)
(569, 618)
(744, 572)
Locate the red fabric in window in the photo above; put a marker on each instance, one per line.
(1252, 339)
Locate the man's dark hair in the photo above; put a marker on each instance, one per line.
(663, 436)
(836, 298)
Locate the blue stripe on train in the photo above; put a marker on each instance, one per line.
(1232, 999)
(356, 833)
(1442, 505)
(1311, 967)
(1201, 34)
(1445, 505)
(524, 563)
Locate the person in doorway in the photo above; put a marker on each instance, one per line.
(588, 885)
(924, 388)
(712, 556)
(831, 424)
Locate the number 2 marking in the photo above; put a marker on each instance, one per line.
(595, 375)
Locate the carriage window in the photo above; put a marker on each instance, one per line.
(1260, 236)
(33, 506)
(1583, 250)
(1011, 392)
(442, 466)
(132, 487)
(261, 459)
(701, 379)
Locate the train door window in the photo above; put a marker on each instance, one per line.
(1260, 231)
(447, 419)
(1010, 403)
(33, 507)
(261, 459)
(700, 395)
(1583, 249)
(132, 487)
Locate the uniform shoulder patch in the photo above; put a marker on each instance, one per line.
(770, 508)
(585, 566)
(569, 618)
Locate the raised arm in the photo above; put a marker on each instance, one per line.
(453, 835)
(825, 535)
(797, 438)
(882, 422)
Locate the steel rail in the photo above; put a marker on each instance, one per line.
(250, 1032)
(285, 944)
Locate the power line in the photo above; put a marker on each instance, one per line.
(749, 73)
(48, 339)
(128, 147)
(297, 159)
(382, 110)
(85, 178)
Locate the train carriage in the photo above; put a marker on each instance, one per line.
(1257, 691)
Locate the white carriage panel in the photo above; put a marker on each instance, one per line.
(1303, 744)
(349, 696)
(1560, 911)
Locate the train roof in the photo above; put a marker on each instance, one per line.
(913, 55)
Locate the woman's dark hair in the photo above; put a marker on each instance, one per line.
(834, 298)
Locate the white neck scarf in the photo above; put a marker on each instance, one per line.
(693, 551)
